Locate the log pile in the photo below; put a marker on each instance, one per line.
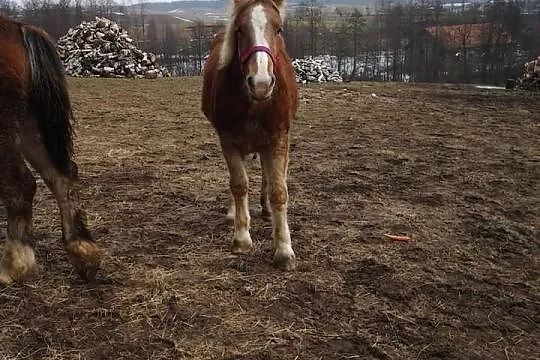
(314, 70)
(529, 80)
(528, 83)
(101, 48)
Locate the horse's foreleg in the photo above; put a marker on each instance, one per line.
(239, 189)
(17, 189)
(83, 251)
(275, 163)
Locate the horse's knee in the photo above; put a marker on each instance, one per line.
(278, 196)
(239, 189)
(18, 196)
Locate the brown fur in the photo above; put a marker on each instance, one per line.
(35, 124)
(245, 126)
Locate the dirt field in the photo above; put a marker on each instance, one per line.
(455, 168)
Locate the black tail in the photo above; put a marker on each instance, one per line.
(49, 98)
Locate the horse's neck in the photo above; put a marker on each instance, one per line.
(233, 76)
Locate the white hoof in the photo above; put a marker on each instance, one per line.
(285, 259)
(242, 243)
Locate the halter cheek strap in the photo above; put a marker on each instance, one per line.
(243, 56)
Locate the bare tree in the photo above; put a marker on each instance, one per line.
(170, 42)
(152, 38)
(314, 12)
(356, 24)
(142, 15)
(8, 7)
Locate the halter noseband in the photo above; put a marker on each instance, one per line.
(243, 56)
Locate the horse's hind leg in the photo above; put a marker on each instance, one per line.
(17, 189)
(83, 251)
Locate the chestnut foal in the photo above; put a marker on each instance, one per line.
(250, 96)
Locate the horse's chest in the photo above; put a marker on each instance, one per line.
(247, 134)
(250, 136)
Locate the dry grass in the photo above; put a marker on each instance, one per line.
(454, 168)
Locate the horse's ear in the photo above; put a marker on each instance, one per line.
(281, 6)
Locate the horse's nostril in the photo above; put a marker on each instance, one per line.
(272, 81)
(251, 81)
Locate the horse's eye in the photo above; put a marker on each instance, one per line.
(279, 31)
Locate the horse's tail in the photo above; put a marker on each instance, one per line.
(48, 99)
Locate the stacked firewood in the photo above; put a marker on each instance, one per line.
(314, 70)
(529, 80)
(101, 48)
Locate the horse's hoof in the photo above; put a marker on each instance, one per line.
(86, 258)
(285, 260)
(241, 246)
(17, 264)
(5, 279)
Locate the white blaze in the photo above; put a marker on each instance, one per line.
(258, 22)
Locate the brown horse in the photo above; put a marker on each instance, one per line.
(36, 125)
(250, 97)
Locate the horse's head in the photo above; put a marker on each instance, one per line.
(258, 27)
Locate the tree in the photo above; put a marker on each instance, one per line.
(170, 42)
(8, 8)
(142, 13)
(342, 47)
(314, 12)
(394, 35)
(78, 15)
(152, 39)
(356, 26)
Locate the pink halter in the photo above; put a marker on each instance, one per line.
(252, 50)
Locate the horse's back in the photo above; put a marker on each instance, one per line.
(14, 65)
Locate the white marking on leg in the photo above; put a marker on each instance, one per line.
(242, 238)
(276, 170)
(280, 232)
(231, 212)
(239, 189)
(18, 261)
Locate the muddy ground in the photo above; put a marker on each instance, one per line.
(455, 168)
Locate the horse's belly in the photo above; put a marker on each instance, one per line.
(249, 137)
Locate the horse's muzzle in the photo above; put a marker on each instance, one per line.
(261, 89)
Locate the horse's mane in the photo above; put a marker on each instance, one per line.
(228, 46)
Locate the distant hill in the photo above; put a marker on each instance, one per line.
(181, 5)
